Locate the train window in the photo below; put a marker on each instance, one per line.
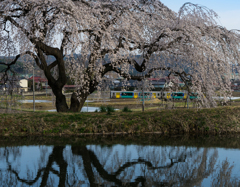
(145, 94)
(127, 94)
(178, 94)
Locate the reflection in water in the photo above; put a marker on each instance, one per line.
(84, 109)
(36, 101)
(116, 165)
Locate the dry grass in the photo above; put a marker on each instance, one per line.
(236, 94)
(38, 106)
(39, 97)
(217, 121)
(134, 104)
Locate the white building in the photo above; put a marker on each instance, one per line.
(23, 83)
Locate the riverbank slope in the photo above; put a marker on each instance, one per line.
(224, 120)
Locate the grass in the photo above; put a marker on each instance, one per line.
(126, 109)
(39, 97)
(133, 104)
(110, 109)
(124, 102)
(102, 108)
(217, 120)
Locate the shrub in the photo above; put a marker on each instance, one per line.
(110, 110)
(126, 109)
(103, 109)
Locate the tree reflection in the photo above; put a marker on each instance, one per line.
(166, 169)
(223, 176)
(43, 173)
(95, 165)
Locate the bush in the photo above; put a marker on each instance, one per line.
(126, 109)
(107, 109)
(103, 109)
(110, 109)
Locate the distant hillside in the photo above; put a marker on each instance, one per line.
(19, 66)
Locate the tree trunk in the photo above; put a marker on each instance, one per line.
(61, 103)
(77, 105)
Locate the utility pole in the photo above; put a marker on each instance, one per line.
(187, 95)
(142, 95)
(87, 104)
(46, 88)
(33, 91)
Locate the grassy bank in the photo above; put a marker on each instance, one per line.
(222, 120)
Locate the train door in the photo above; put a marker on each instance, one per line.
(185, 96)
(168, 95)
(113, 95)
(118, 95)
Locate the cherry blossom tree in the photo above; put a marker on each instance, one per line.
(117, 30)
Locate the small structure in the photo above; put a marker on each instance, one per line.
(23, 83)
(40, 82)
(15, 85)
(69, 88)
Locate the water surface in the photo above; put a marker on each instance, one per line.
(36, 101)
(84, 109)
(94, 164)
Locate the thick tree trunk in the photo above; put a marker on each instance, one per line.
(61, 103)
(77, 105)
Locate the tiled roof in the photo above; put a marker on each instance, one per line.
(38, 79)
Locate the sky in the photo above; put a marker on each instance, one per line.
(227, 10)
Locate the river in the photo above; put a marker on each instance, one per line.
(121, 161)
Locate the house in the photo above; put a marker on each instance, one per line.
(165, 82)
(23, 83)
(38, 79)
(15, 85)
(69, 88)
(158, 83)
(235, 85)
(39, 82)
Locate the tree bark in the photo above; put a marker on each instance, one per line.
(77, 105)
(61, 103)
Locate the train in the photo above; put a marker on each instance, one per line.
(165, 95)
(133, 94)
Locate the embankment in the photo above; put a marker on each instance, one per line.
(224, 120)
